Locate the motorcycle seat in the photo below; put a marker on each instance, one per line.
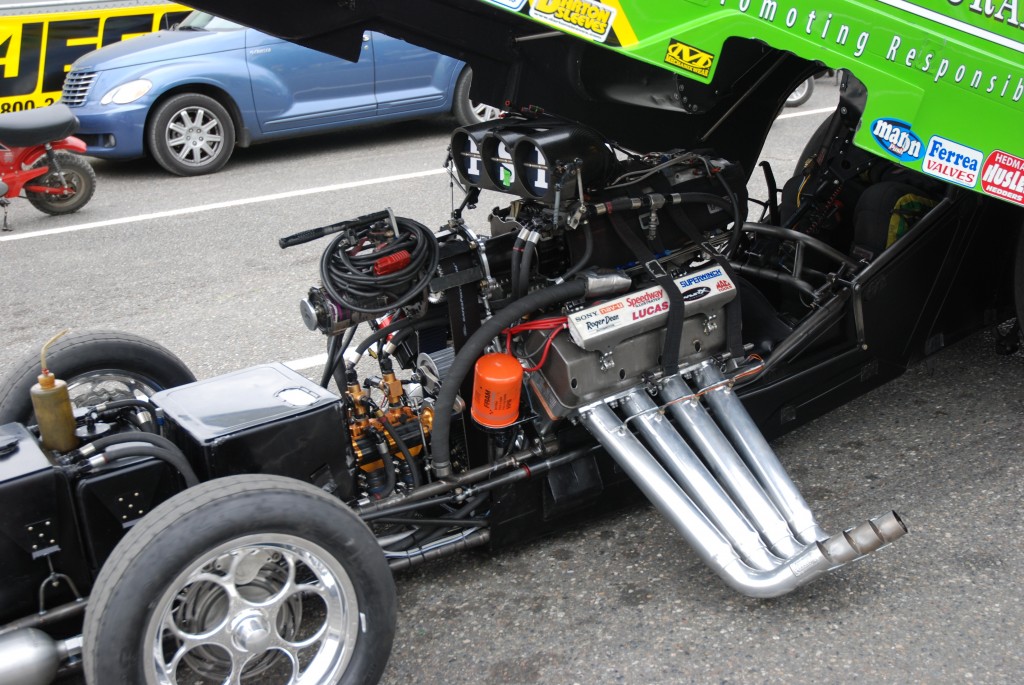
(37, 126)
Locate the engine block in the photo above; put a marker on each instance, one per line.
(615, 344)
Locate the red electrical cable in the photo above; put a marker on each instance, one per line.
(555, 324)
(547, 348)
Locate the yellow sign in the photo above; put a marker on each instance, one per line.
(689, 58)
(36, 50)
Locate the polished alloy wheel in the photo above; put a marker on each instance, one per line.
(485, 112)
(272, 606)
(195, 136)
(108, 385)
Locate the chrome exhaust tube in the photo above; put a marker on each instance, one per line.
(729, 467)
(697, 482)
(700, 528)
(748, 440)
(28, 656)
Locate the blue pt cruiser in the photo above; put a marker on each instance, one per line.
(188, 96)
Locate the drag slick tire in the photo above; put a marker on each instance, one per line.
(98, 366)
(246, 579)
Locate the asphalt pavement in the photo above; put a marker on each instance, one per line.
(620, 599)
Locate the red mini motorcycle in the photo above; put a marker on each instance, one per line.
(38, 155)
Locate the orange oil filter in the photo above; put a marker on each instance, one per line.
(497, 384)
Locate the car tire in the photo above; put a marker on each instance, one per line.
(229, 575)
(77, 173)
(465, 110)
(190, 134)
(801, 94)
(98, 366)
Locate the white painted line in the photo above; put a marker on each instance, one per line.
(807, 113)
(307, 362)
(226, 204)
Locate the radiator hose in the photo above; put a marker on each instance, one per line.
(133, 444)
(471, 351)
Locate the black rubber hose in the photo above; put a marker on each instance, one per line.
(335, 353)
(517, 260)
(417, 477)
(709, 198)
(776, 276)
(332, 355)
(420, 324)
(471, 351)
(174, 458)
(588, 251)
(103, 443)
(382, 333)
(123, 404)
(389, 463)
(739, 216)
(529, 251)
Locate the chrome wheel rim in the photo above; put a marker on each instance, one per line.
(107, 385)
(798, 92)
(257, 605)
(195, 136)
(484, 112)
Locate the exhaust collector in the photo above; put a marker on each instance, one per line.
(741, 513)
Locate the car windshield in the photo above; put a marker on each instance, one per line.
(203, 21)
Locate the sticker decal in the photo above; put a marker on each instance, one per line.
(687, 57)
(611, 308)
(952, 162)
(586, 18)
(699, 278)
(694, 294)
(897, 139)
(1003, 176)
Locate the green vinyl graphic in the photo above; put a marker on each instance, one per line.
(945, 78)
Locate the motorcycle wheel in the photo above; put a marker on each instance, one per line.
(466, 111)
(98, 366)
(190, 135)
(79, 176)
(238, 577)
(801, 93)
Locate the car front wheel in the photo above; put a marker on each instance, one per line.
(191, 134)
(801, 93)
(466, 111)
(245, 579)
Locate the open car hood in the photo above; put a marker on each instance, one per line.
(938, 87)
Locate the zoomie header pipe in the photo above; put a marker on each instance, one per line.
(591, 285)
(713, 545)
